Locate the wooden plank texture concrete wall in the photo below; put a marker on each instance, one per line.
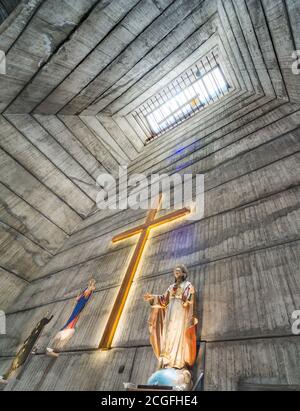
(242, 258)
(67, 110)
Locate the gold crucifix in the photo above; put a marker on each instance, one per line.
(143, 230)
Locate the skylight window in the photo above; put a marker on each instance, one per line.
(185, 96)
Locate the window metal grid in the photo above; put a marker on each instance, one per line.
(192, 91)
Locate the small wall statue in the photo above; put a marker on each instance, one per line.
(24, 352)
(68, 330)
(172, 326)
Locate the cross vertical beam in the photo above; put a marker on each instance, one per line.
(144, 231)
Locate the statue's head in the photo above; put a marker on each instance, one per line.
(180, 272)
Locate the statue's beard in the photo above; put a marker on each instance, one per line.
(179, 279)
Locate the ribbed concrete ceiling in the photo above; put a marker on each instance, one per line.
(78, 69)
(89, 57)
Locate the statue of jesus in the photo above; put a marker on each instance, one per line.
(172, 323)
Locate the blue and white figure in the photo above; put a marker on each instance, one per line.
(68, 330)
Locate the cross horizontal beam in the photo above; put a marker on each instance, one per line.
(155, 223)
(143, 230)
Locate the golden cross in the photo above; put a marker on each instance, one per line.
(143, 230)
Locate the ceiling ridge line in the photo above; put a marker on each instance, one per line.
(127, 46)
(115, 139)
(107, 152)
(158, 63)
(113, 152)
(236, 129)
(80, 143)
(42, 183)
(148, 73)
(237, 53)
(48, 159)
(19, 276)
(66, 150)
(165, 150)
(236, 141)
(10, 227)
(234, 99)
(247, 48)
(34, 208)
(168, 145)
(274, 49)
(78, 64)
(259, 47)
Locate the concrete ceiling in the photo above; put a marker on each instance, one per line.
(89, 57)
(103, 59)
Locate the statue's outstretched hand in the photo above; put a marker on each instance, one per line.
(148, 297)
